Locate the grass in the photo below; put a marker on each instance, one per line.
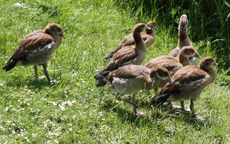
(73, 110)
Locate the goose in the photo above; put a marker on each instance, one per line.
(36, 48)
(183, 38)
(128, 55)
(173, 64)
(188, 84)
(133, 78)
(148, 37)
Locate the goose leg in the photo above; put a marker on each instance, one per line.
(128, 101)
(182, 105)
(155, 89)
(46, 72)
(170, 104)
(36, 71)
(135, 106)
(191, 108)
(134, 102)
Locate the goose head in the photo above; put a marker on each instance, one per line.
(161, 72)
(139, 28)
(183, 24)
(189, 51)
(207, 62)
(54, 29)
(152, 25)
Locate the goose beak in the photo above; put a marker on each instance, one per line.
(197, 55)
(214, 63)
(61, 35)
(156, 28)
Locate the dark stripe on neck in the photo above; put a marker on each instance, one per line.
(149, 31)
(137, 37)
(182, 35)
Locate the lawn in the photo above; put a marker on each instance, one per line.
(72, 109)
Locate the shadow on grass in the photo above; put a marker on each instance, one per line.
(125, 114)
(152, 114)
(165, 111)
(28, 82)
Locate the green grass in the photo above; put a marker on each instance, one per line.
(73, 110)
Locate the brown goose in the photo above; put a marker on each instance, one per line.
(127, 55)
(183, 38)
(173, 64)
(36, 48)
(148, 37)
(133, 78)
(188, 83)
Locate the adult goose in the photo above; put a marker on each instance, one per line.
(133, 78)
(188, 83)
(36, 48)
(173, 64)
(148, 37)
(128, 55)
(183, 38)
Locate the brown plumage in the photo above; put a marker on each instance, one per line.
(185, 53)
(182, 35)
(36, 48)
(188, 83)
(173, 64)
(133, 78)
(128, 55)
(148, 37)
(183, 38)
